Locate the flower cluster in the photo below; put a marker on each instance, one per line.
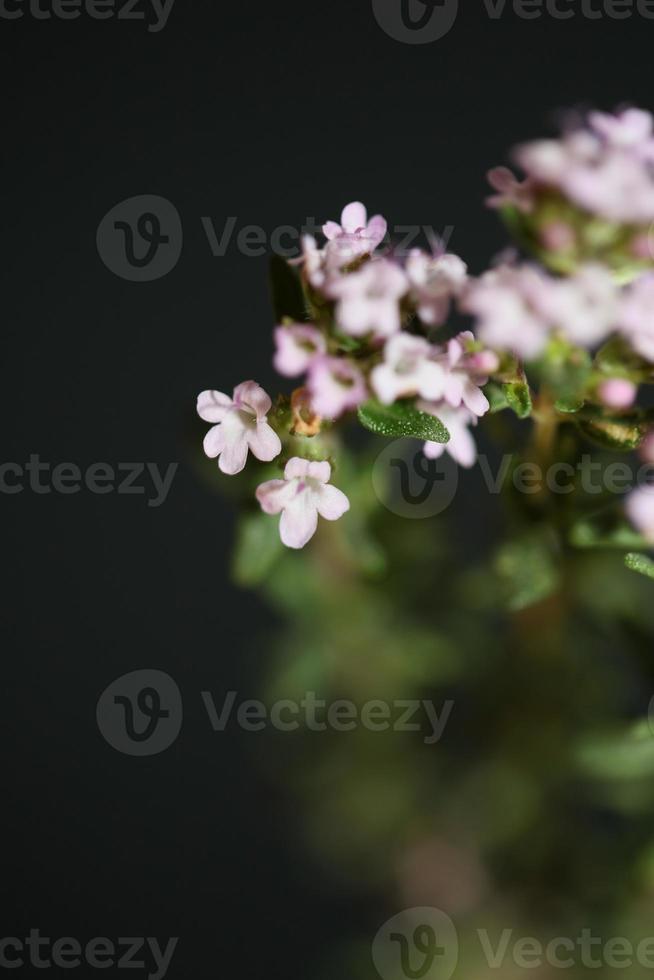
(373, 334)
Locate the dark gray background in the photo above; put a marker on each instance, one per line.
(271, 112)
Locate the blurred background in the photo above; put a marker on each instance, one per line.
(279, 854)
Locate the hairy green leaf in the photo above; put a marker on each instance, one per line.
(402, 420)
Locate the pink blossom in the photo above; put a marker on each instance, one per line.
(639, 508)
(462, 385)
(617, 393)
(355, 236)
(457, 421)
(368, 301)
(409, 369)
(335, 385)
(504, 301)
(510, 191)
(636, 317)
(584, 307)
(297, 345)
(519, 307)
(435, 281)
(241, 425)
(605, 169)
(631, 129)
(300, 497)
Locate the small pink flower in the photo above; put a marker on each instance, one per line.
(409, 369)
(435, 281)
(631, 129)
(368, 301)
(504, 302)
(241, 425)
(617, 393)
(457, 421)
(297, 345)
(583, 307)
(510, 191)
(636, 318)
(300, 497)
(639, 508)
(335, 386)
(355, 236)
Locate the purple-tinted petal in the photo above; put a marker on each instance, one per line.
(475, 399)
(234, 454)
(331, 230)
(274, 495)
(376, 230)
(251, 396)
(354, 217)
(213, 406)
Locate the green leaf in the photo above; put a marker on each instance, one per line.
(600, 533)
(258, 547)
(287, 292)
(402, 420)
(641, 564)
(568, 406)
(621, 755)
(623, 434)
(496, 396)
(518, 398)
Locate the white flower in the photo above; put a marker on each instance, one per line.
(408, 369)
(355, 236)
(241, 425)
(435, 281)
(369, 300)
(461, 447)
(297, 346)
(300, 497)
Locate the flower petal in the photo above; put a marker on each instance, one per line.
(214, 441)
(296, 469)
(331, 230)
(320, 471)
(331, 502)
(299, 521)
(235, 453)
(354, 217)
(250, 395)
(274, 495)
(213, 406)
(264, 442)
(376, 230)
(475, 399)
